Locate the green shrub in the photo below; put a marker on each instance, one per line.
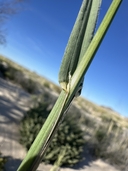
(10, 73)
(18, 77)
(29, 85)
(2, 162)
(69, 135)
(46, 84)
(100, 135)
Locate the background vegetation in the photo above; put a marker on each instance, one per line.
(104, 131)
(2, 162)
(69, 136)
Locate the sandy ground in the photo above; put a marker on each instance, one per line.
(13, 104)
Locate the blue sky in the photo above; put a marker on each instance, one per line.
(37, 36)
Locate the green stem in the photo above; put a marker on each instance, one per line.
(94, 45)
(58, 108)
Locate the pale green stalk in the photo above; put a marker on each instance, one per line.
(59, 160)
(61, 105)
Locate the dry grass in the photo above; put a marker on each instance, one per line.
(106, 114)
